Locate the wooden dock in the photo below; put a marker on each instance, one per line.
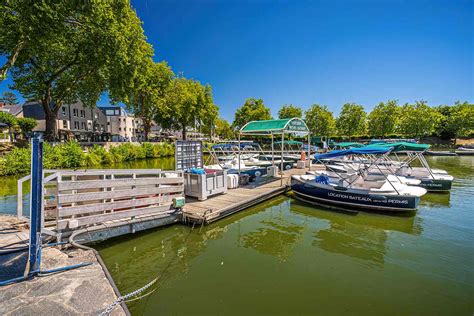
(236, 200)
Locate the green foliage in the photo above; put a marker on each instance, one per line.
(224, 130)
(320, 120)
(9, 97)
(384, 118)
(148, 93)
(186, 103)
(70, 155)
(64, 51)
(418, 119)
(26, 125)
(352, 120)
(455, 121)
(252, 110)
(8, 119)
(290, 111)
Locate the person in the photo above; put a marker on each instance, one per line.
(325, 146)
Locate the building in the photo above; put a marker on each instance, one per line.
(122, 126)
(85, 124)
(14, 109)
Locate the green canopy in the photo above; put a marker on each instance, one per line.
(404, 146)
(290, 142)
(349, 145)
(293, 125)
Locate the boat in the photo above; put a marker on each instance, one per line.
(440, 153)
(467, 150)
(434, 180)
(357, 191)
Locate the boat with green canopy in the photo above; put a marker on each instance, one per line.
(345, 145)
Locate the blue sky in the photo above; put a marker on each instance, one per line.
(326, 52)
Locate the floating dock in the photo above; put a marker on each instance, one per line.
(236, 200)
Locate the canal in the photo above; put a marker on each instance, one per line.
(285, 257)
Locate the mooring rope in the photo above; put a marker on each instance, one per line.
(124, 298)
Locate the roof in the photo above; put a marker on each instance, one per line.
(13, 109)
(293, 125)
(368, 150)
(289, 142)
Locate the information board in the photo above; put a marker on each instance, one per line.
(188, 154)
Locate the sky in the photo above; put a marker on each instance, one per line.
(326, 52)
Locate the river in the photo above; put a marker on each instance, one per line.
(285, 257)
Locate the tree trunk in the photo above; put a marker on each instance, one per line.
(146, 128)
(51, 131)
(184, 132)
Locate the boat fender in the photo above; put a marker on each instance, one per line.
(339, 188)
(377, 197)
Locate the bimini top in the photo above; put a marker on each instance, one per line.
(293, 125)
(231, 145)
(349, 145)
(372, 150)
(402, 146)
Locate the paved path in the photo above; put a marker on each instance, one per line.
(83, 291)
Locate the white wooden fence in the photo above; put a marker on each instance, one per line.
(79, 198)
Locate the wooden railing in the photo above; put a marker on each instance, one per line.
(79, 198)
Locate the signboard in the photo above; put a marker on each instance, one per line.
(188, 154)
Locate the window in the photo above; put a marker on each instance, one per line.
(96, 116)
(63, 110)
(120, 129)
(83, 113)
(117, 112)
(76, 125)
(75, 112)
(109, 112)
(64, 124)
(83, 125)
(108, 123)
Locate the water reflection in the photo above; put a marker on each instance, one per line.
(361, 236)
(275, 235)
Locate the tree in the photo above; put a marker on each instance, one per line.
(383, 118)
(149, 91)
(455, 121)
(418, 119)
(290, 111)
(351, 120)
(224, 130)
(9, 97)
(209, 112)
(186, 102)
(26, 125)
(320, 120)
(252, 110)
(9, 120)
(79, 50)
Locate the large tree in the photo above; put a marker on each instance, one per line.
(320, 120)
(9, 97)
(383, 118)
(417, 120)
(455, 121)
(73, 50)
(187, 103)
(352, 120)
(26, 124)
(290, 111)
(252, 110)
(148, 93)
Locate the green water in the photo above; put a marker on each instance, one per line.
(284, 257)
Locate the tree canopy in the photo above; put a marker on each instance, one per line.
(148, 93)
(383, 119)
(352, 120)
(9, 97)
(252, 110)
(224, 130)
(290, 111)
(71, 51)
(418, 119)
(320, 120)
(26, 125)
(187, 103)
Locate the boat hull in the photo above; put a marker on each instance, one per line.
(345, 199)
(436, 185)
